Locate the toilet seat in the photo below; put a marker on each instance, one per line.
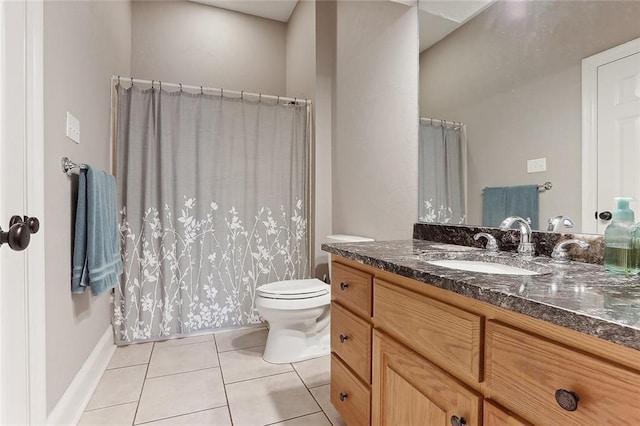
(294, 289)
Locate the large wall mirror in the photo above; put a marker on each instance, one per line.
(505, 86)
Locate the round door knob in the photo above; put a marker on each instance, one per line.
(343, 338)
(342, 396)
(458, 421)
(344, 286)
(18, 236)
(567, 400)
(605, 215)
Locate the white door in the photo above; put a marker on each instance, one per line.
(611, 120)
(22, 346)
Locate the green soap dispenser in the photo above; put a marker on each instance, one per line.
(619, 256)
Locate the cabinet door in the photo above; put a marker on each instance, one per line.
(494, 415)
(409, 390)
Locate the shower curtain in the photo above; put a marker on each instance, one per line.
(441, 172)
(213, 204)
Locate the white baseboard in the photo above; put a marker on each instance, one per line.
(72, 404)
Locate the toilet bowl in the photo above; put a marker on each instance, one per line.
(298, 315)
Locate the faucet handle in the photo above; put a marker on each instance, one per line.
(560, 254)
(492, 244)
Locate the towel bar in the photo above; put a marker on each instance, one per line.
(68, 165)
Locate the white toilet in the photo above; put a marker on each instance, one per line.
(298, 315)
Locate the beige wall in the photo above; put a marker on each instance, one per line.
(190, 43)
(84, 44)
(301, 51)
(513, 76)
(376, 132)
(324, 118)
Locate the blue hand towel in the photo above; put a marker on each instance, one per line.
(96, 252)
(501, 202)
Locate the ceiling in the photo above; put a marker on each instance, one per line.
(437, 18)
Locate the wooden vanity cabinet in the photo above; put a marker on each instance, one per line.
(440, 358)
(351, 309)
(410, 390)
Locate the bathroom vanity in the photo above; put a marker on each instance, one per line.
(414, 343)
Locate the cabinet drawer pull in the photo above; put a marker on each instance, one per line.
(343, 338)
(567, 400)
(344, 286)
(458, 421)
(343, 396)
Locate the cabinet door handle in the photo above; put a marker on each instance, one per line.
(344, 286)
(458, 421)
(343, 396)
(343, 338)
(567, 400)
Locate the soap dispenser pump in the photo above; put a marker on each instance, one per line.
(619, 256)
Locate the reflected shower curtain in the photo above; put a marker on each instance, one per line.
(213, 204)
(441, 173)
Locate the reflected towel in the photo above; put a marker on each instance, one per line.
(501, 202)
(96, 251)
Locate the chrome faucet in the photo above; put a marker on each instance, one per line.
(492, 244)
(554, 223)
(525, 248)
(559, 253)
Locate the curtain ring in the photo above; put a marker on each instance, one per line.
(222, 93)
(295, 101)
(131, 81)
(160, 85)
(201, 90)
(259, 97)
(180, 87)
(242, 94)
(118, 80)
(152, 81)
(278, 101)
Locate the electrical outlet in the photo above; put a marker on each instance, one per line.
(537, 165)
(73, 128)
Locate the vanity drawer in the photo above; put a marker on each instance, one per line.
(524, 372)
(446, 335)
(351, 341)
(352, 288)
(349, 396)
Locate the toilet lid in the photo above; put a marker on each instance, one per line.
(294, 289)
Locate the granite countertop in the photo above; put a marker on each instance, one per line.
(580, 296)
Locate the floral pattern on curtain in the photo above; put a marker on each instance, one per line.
(441, 173)
(213, 205)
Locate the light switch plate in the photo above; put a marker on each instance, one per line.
(537, 165)
(73, 128)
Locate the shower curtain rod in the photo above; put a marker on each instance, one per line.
(202, 89)
(441, 122)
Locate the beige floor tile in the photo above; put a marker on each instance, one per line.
(180, 394)
(184, 341)
(216, 417)
(241, 339)
(126, 356)
(315, 372)
(323, 397)
(116, 416)
(269, 399)
(247, 364)
(182, 358)
(118, 386)
(317, 419)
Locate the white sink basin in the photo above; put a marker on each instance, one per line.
(484, 267)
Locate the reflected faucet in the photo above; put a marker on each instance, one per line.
(554, 223)
(525, 248)
(560, 254)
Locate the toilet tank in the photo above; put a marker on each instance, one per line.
(343, 238)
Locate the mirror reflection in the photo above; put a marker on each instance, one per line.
(501, 105)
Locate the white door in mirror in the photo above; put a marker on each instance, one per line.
(618, 133)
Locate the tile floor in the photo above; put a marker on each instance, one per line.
(218, 379)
